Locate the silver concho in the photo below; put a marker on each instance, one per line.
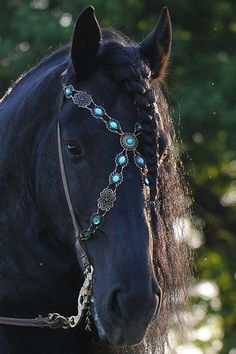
(82, 99)
(107, 199)
(129, 141)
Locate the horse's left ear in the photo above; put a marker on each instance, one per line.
(155, 48)
(86, 43)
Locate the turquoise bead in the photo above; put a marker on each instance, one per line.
(139, 127)
(86, 235)
(98, 111)
(140, 160)
(96, 220)
(68, 91)
(146, 181)
(113, 124)
(115, 178)
(130, 141)
(121, 160)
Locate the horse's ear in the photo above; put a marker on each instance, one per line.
(155, 48)
(86, 42)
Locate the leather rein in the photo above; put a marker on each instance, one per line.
(55, 320)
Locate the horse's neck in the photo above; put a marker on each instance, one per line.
(25, 115)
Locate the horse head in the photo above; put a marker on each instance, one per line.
(112, 143)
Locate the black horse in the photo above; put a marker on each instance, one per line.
(134, 252)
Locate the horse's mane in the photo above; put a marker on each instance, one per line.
(26, 81)
(171, 256)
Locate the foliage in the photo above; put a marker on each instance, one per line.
(202, 84)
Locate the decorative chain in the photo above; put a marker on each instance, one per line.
(83, 304)
(129, 144)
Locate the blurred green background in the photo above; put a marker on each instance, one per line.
(202, 95)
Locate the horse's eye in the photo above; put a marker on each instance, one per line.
(74, 150)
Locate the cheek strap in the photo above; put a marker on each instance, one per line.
(81, 247)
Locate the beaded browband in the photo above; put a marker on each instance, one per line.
(128, 142)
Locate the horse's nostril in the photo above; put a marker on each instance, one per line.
(133, 306)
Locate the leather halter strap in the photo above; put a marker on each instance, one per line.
(79, 243)
(81, 248)
(39, 321)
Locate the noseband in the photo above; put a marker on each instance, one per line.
(105, 202)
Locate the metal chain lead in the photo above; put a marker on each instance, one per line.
(83, 303)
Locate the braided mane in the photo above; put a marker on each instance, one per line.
(125, 66)
(121, 60)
